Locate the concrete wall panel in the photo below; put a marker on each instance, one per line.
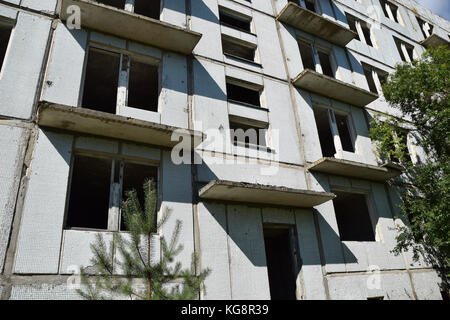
(39, 240)
(22, 65)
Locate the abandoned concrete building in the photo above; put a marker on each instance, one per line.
(93, 92)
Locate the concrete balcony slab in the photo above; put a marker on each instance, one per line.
(108, 125)
(315, 24)
(241, 192)
(128, 25)
(353, 169)
(332, 88)
(435, 41)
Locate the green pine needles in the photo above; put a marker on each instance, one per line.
(132, 266)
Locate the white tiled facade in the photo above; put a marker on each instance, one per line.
(46, 61)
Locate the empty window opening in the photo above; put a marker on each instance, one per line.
(367, 35)
(310, 5)
(326, 64)
(405, 50)
(134, 176)
(5, 33)
(234, 21)
(280, 263)
(120, 4)
(101, 81)
(325, 134)
(243, 95)
(238, 50)
(307, 55)
(425, 27)
(352, 24)
(344, 132)
(370, 80)
(89, 193)
(143, 91)
(247, 134)
(353, 217)
(147, 8)
(394, 10)
(376, 298)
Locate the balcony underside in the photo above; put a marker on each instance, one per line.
(435, 41)
(127, 25)
(358, 170)
(332, 88)
(263, 194)
(317, 25)
(108, 125)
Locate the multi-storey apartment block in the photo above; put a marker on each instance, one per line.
(95, 95)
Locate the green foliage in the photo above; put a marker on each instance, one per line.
(126, 267)
(420, 91)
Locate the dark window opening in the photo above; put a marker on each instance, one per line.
(383, 6)
(422, 25)
(280, 263)
(243, 95)
(101, 82)
(134, 176)
(400, 51)
(325, 134)
(234, 21)
(238, 50)
(376, 298)
(307, 55)
(119, 4)
(353, 218)
(394, 11)
(326, 64)
(143, 86)
(352, 24)
(367, 36)
(148, 8)
(410, 51)
(370, 80)
(310, 5)
(89, 193)
(344, 132)
(247, 135)
(5, 33)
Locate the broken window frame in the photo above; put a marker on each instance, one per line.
(406, 51)
(124, 75)
(248, 86)
(335, 131)
(261, 134)
(315, 54)
(223, 11)
(371, 210)
(377, 75)
(115, 192)
(425, 27)
(391, 12)
(359, 27)
(244, 44)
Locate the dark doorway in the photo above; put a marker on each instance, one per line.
(280, 263)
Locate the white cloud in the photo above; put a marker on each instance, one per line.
(439, 7)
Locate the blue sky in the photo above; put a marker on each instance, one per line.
(439, 7)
